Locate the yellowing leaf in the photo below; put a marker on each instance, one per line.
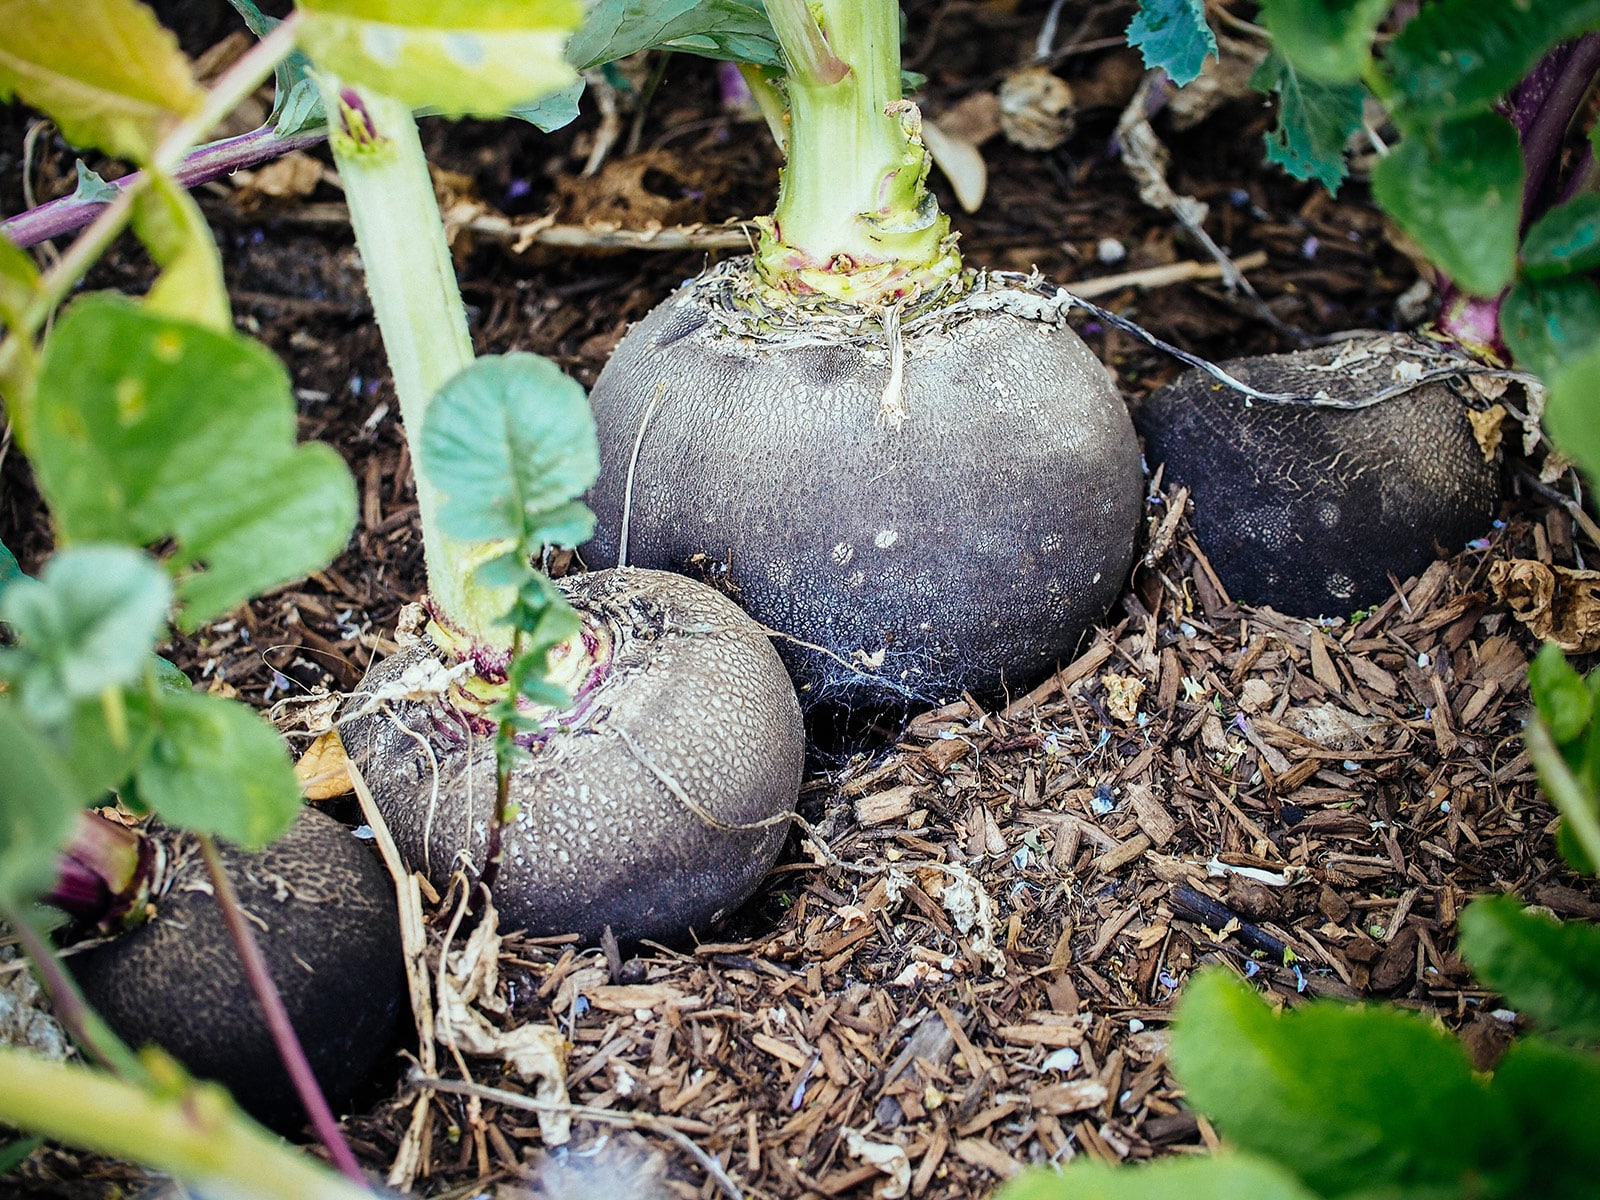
(323, 770)
(459, 58)
(190, 286)
(105, 71)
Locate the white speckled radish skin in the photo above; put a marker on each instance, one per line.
(657, 805)
(962, 535)
(1311, 509)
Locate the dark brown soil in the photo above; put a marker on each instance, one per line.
(1371, 775)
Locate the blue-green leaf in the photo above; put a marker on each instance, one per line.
(10, 572)
(1565, 241)
(1351, 1099)
(1548, 325)
(1546, 969)
(1315, 121)
(1330, 40)
(214, 766)
(92, 189)
(555, 111)
(1458, 55)
(1173, 35)
(737, 30)
(1218, 1177)
(149, 428)
(1457, 190)
(511, 443)
(88, 623)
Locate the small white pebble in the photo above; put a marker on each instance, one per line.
(1110, 251)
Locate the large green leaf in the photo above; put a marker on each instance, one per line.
(214, 766)
(1552, 1095)
(1173, 35)
(1572, 412)
(460, 56)
(1222, 1177)
(1330, 40)
(1353, 1100)
(19, 282)
(1565, 241)
(10, 572)
(149, 428)
(729, 29)
(511, 443)
(1315, 121)
(1548, 325)
(1564, 700)
(1459, 55)
(1547, 969)
(88, 623)
(105, 71)
(38, 805)
(1457, 190)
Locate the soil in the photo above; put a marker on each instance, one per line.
(1206, 782)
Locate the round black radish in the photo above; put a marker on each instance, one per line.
(1311, 508)
(322, 909)
(948, 517)
(654, 804)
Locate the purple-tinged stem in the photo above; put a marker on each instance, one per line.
(69, 214)
(1542, 107)
(88, 1030)
(277, 1018)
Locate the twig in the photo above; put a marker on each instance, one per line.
(414, 942)
(1165, 275)
(1194, 905)
(606, 1116)
(277, 1017)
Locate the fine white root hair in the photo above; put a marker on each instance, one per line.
(633, 466)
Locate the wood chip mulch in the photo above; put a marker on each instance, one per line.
(981, 938)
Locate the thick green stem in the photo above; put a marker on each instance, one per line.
(191, 1131)
(412, 282)
(854, 220)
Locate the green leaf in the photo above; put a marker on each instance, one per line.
(1221, 1177)
(1173, 35)
(555, 111)
(510, 442)
(214, 766)
(1547, 969)
(92, 189)
(482, 57)
(88, 623)
(174, 231)
(38, 805)
(1458, 55)
(1551, 1093)
(734, 30)
(1457, 190)
(150, 428)
(1315, 122)
(1548, 325)
(299, 108)
(105, 71)
(1330, 40)
(1559, 692)
(1565, 241)
(1572, 412)
(14, 1154)
(1351, 1099)
(19, 282)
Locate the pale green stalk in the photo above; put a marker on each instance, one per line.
(195, 1133)
(412, 282)
(854, 220)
